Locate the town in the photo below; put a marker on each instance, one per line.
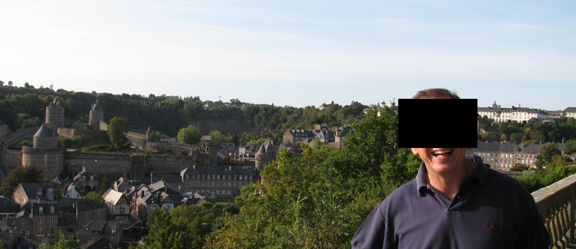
(103, 198)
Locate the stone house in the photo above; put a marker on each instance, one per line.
(216, 182)
(30, 192)
(86, 181)
(298, 136)
(118, 206)
(98, 229)
(38, 218)
(89, 210)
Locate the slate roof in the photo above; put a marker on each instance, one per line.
(570, 109)
(8, 206)
(217, 170)
(32, 189)
(261, 151)
(87, 205)
(46, 207)
(44, 131)
(101, 243)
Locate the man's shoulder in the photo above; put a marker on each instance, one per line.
(405, 191)
(499, 178)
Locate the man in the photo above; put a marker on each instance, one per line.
(454, 202)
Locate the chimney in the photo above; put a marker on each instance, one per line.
(229, 168)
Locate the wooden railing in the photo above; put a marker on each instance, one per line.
(556, 204)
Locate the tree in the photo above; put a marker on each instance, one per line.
(117, 130)
(93, 195)
(217, 135)
(28, 174)
(235, 138)
(321, 199)
(104, 184)
(547, 152)
(189, 135)
(63, 243)
(181, 228)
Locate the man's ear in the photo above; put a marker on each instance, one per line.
(414, 151)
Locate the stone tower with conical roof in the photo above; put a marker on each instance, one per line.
(262, 158)
(270, 150)
(45, 153)
(96, 115)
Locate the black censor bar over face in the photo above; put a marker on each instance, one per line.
(437, 123)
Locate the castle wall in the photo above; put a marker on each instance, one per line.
(99, 163)
(11, 159)
(161, 164)
(50, 160)
(45, 142)
(66, 132)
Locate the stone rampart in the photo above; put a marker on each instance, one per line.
(169, 164)
(19, 135)
(50, 160)
(90, 134)
(99, 163)
(11, 159)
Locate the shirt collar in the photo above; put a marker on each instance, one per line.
(480, 173)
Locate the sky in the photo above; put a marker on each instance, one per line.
(296, 53)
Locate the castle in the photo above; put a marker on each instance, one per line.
(46, 154)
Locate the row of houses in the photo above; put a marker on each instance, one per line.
(504, 156)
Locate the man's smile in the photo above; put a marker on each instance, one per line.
(442, 153)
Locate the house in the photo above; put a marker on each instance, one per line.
(37, 218)
(29, 192)
(570, 112)
(298, 136)
(216, 182)
(89, 210)
(118, 206)
(86, 180)
(97, 229)
(72, 193)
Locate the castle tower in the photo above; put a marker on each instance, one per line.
(96, 115)
(45, 153)
(270, 150)
(55, 115)
(261, 158)
(149, 134)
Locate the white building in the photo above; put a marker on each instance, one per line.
(518, 114)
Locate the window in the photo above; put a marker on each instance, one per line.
(52, 210)
(40, 221)
(203, 176)
(218, 177)
(121, 210)
(52, 221)
(86, 217)
(40, 210)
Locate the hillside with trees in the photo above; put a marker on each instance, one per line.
(24, 106)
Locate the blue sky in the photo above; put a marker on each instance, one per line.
(296, 53)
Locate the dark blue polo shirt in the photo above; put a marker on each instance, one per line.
(490, 210)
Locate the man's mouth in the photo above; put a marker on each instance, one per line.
(441, 153)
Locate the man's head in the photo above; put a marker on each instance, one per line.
(439, 93)
(440, 160)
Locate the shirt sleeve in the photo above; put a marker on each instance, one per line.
(373, 232)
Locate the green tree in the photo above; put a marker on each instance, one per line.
(183, 227)
(117, 130)
(189, 135)
(28, 174)
(63, 243)
(547, 152)
(320, 200)
(104, 184)
(217, 135)
(93, 195)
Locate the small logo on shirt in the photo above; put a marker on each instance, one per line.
(490, 224)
